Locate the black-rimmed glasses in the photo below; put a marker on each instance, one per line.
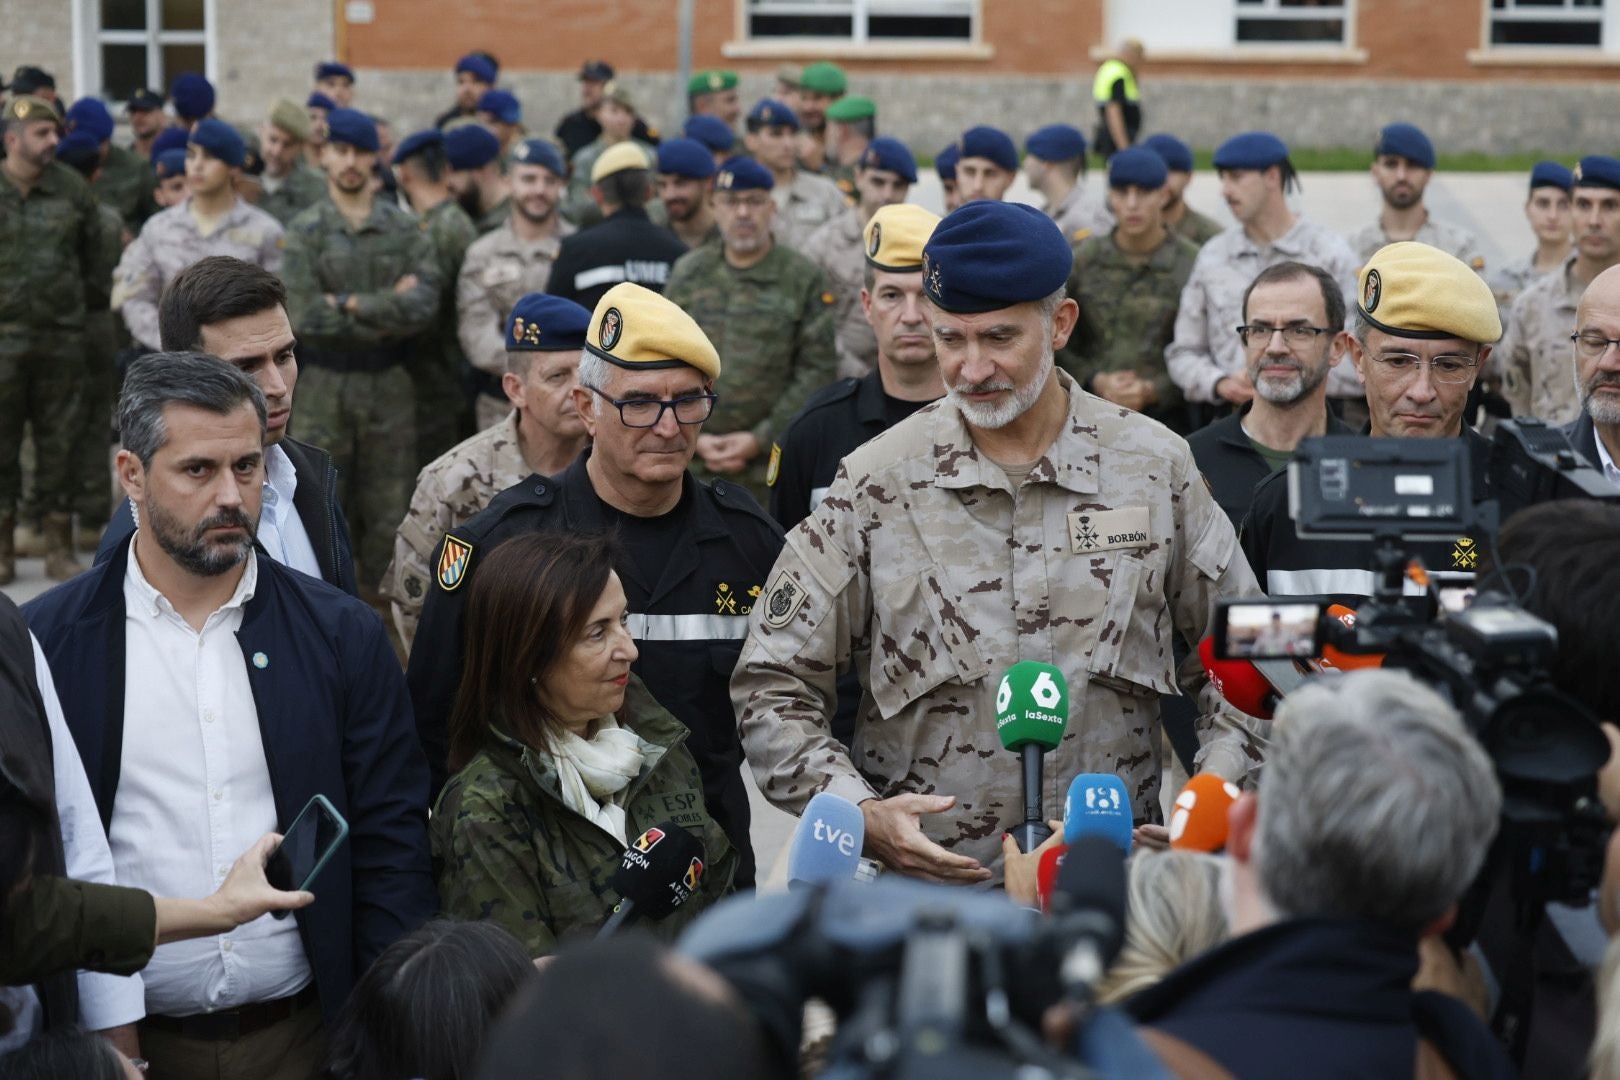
(647, 412)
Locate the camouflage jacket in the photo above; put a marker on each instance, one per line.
(452, 233)
(98, 284)
(802, 205)
(126, 184)
(1199, 228)
(171, 241)
(506, 848)
(836, 248)
(1450, 239)
(1080, 215)
(50, 244)
(925, 574)
(499, 270)
(300, 189)
(1535, 356)
(326, 256)
(448, 493)
(1511, 278)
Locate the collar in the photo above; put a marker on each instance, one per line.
(1070, 462)
(1569, 299)
(585, 508)
(153, 603)
(1229, 429)
(374, 220)
(509, 242)
(1291, 242)
(1605, 460)
(280, 474)
(870, 404)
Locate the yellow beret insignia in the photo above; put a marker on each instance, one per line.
(875, 241)
(1371, 291)
(612, 328)
(1478, 262)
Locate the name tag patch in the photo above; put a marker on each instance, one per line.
(1091, 531)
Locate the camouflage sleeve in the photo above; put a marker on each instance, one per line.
(136, 289)
(406, 580)
(478, 323)
(489, 872)
(815, 359)
(99, 281)
(1189, 359)
(405, 314)
(1342, 263)
(307, 309)
(816, 603)
(1510, 360)
(272, 247)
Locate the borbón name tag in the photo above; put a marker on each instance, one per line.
(1091, 531)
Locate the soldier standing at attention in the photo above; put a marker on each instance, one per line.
(1055, 162)
(1127, 282)
(686, 171)
(987, 166)
(883, 177)
(504, 265)
(1548, 212)
(146, 120)
(851, 126)
(362, 281)
(626, 246)
(169, 167)
(124, 180)
(714, 93)
(437, 362)
(803, 199)
(576, 130)
(768, 310)
(1403, 164)
(475, 77)
(820, 85)
(1119, 100)
(289, 184)
(1001, 524)
(336, 81)
(541, 434)
(502, 113)
(476, 178)
(317, 107)
(945, 166)
(1180, 218)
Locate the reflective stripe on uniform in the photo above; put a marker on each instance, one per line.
(1345, 581)
(1112, 71)
(695, 627)
(601, 275)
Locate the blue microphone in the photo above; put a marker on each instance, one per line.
(827, 843)
(1097, 805)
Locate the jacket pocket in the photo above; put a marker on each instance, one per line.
(1134, 653)
(922, 641)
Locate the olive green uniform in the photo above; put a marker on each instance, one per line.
(438, 366)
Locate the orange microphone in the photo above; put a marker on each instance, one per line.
(1198, 822)
(1335, 659)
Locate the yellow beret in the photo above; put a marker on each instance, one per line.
(617, 158)
(27, 108)
(895, 237)
(1412, 290)
(636, 328)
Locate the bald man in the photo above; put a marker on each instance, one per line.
(1596, 432)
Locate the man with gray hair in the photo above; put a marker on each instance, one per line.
(1375, 811)
(212, 693)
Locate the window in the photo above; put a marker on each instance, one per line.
(863, 21)
(1291, 22)
(136, 43)
(1547, 22)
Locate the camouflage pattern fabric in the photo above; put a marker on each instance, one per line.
(498, 271)
(437, 362)
(1535, 356)
(837, 249)
(803, 205)
(126, 183)
(1199, 228)
(1510, 279)
(1080, 215)
(93, 503)
(1451, 239)
(300, 189)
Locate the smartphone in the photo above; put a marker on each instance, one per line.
(306, 847)
(1268, 629)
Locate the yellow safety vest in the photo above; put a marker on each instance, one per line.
(1111, 72)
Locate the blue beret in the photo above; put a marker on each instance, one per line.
(1138, 167)
(888, 153)
(711, 131)
(539, 152)
(416, 142)
(193, 96)
(1056, 142)
(331, 69)
(172, 138)
(1177, 155)
(220, 140)
(90, 116)
(772, 113)
(1551, 174)
(170, 162)
(686, 157)
(1597, 170)
(990, 143)
(1407, 141)
(744, 174)
(80, 149)
(318, 100)
(945, 163)
(990, 255)
(471, 146)
(478, 66)
(503, 104)
(1251, 150)
(353, 127)
(541, 322)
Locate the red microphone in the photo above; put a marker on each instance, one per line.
(1198, 822)
(1335, 659)
(1239, 682)
(1047, 872)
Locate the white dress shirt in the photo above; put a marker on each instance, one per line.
(193, 794)
(281, 530)
(1611, 472)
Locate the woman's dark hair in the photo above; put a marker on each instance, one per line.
(211, 291)
(423, 1008)
(54, 1055)
(529, 603)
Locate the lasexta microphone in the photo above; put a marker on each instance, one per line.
(1198, 818)
(1239, 682)
(1046, 874)
(1032, 711)
(827, 843)
(659, 872)
(1098, 805)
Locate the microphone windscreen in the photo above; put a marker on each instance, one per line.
(1338, 660)
(1098, 805)
(1091, 882)
(1238, 681)
(660, 870)
(827, 843)
(1046, 874)
(1032, 706)
(1198, 818)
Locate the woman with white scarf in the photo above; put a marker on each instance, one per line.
(562, 756)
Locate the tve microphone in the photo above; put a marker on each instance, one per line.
(1239, 682)
(1198, 822)
(1032, 709)
(1339, 660)
(1046, 874)
(1097, 805)
(1089, 908)
(659, 872)
(827, 843)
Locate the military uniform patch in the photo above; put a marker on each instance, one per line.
(1464, 554)
(775, 465)
(876, 241)
(453, 562)
(1371, 291)
(783, 598)
(612, 327)
(1092, 531)
(1478, 262)
(725, 599)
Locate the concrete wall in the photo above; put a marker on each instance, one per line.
(40, 35)
(268, 50)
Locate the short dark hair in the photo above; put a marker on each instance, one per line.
(211, 291)
(1332, 295)
(69, 1052)
(627, 187)
(158, 380)
(430, 162)
(424, 1006)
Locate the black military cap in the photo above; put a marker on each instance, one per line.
(144, 100)
(595, 71)
(29, 78)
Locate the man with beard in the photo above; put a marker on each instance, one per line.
(146, 119)
(1014, 520)
(289, 184)
(1293, 333)
(714, 93)
(211, 694)
(476, 178)
(686, 171)
(1403, 163)
(1596, 433)
(362, 281)
(626, 246)
(475, 77)
(501, 266)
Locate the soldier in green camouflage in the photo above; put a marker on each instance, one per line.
(289, 185)
(362, 281)
(123, 180)
(769, 312)
(50, 243)
(1128, 284)
(1180, 218)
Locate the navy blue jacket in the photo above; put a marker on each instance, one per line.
(335, 718)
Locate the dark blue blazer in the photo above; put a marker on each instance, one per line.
(335, 718)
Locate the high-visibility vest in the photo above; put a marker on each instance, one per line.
(1111, 72)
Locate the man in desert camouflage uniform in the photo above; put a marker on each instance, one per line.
(999, 525)
(804, 199)
(883, 177)
(541, 434)
(1403, 164)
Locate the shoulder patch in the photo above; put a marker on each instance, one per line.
(1478, 262)
(453, 560)
(775, 466)
(828, 298)
(1080, 234)
(783, 598)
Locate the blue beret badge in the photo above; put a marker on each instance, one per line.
(528, 332)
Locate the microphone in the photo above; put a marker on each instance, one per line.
(1198, 822)
(1032, 709)
(1098, 805)
(827, 843)
(1046, 874)
(1337, 659)
(1089, 906)
(659, 872)
(1239, 682)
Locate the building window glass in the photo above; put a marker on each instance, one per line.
(863, 21)
(146, 43)
(1315, 22)
(1547, 22)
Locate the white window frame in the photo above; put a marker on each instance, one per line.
(89, 37)
(860, 12)
(1606, 17)
(1275, 10)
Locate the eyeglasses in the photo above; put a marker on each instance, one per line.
(1442, 369)
(1591, 344)
(1260, 333)
(647, 412)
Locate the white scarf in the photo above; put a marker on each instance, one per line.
(594, 773)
